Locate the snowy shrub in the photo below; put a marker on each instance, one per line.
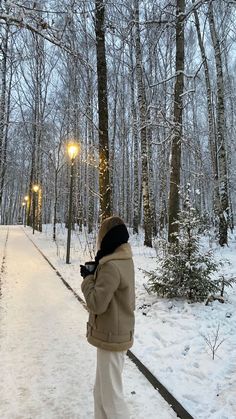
(184, 274)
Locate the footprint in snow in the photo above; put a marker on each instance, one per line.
(186, 350)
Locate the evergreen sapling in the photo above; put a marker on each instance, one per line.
(185, 270)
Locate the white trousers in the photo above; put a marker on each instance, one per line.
(109, 400)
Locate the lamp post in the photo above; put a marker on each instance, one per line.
(73, 150)
(35, 191)
(23, 212)
(26, 201)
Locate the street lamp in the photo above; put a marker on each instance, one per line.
(73, 150)
(26, 200)
(35, 189)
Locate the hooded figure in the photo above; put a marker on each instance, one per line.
(110, 296)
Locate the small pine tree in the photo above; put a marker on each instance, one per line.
(185, 269)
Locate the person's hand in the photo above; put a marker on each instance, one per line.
(84, 271)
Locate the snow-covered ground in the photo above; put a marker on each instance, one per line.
(47, 368)
(170, 335)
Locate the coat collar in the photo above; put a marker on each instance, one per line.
(122, 252)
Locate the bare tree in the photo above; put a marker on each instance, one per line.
(104, 177)
(143, 130)
(3, 108)
(210, 115)
(173, 207)
(220, 127)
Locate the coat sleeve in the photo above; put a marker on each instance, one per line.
(98, 293)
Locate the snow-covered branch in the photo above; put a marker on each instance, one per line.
(42, 26)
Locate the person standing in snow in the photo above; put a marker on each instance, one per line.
(110, 296)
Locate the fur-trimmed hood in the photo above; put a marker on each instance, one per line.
(107, 225)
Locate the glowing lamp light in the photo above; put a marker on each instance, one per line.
(73, 150)
(26, 198)
(36, 188)
(23, 204)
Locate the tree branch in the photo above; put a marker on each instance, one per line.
(20, 22)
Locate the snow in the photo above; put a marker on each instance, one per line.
(170, 341)
(169, 336)
(47, 368)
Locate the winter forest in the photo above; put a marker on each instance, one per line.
(127, 108)
(147, 91)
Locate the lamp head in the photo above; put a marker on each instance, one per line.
(73, 150)
(35, 188)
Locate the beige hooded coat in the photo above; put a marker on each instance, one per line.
(110, 297)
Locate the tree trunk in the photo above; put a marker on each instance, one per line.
(151, 176)
(135, 150)
(210, 114)
(36, 162)
(3, 110)
(220, 124)
(143, 131)
(173, 204)
(104, 180)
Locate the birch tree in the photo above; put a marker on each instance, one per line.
(210, 115)
(147, 221)
(223, 208)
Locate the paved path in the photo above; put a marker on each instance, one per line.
(46, 366)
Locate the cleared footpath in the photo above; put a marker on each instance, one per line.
(46, 366)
